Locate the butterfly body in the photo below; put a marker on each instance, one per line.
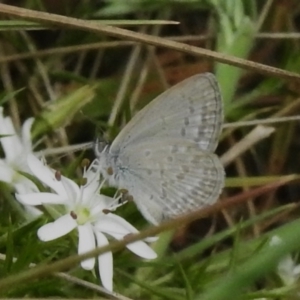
(164, 155)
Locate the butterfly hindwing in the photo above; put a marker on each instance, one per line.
(175, 177)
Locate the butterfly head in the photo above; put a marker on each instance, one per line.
(106, 165)
(100, 146)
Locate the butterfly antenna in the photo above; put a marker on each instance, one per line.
(65, 149)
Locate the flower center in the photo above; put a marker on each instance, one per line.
(81, 215)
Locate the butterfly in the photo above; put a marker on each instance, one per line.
(164, 157)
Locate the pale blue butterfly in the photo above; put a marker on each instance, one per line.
(164, 156)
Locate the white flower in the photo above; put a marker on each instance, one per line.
(15, 148)
(86, 210)
(287, 269)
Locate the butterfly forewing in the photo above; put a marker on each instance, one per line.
(191, 110)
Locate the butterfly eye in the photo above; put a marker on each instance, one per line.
(99, 146)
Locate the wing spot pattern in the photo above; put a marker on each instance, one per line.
(180, 176)
(200, 132)
(186, 121)
(185, 169)
(164, 184)
(174, 149)
(147, 153)
(170, 158)
(183, 132)
(191, 109)
(195, 160)
(205, 94)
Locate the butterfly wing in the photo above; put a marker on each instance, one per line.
(191, 110)
(170, 177)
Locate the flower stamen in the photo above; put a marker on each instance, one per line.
(57, 175)
(73, 215)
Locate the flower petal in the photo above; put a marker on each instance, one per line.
(109, 225)
(86, 243)
(151, 239)
(122, 222)
(40, 198)
(6, 172)
(56, 229)
(105, 262)
(25, 186)
(93, 180)
(141, 249)
(32, 211)
(296, 271)
(89, 191)
(101, 202)
(11, 145)
(130, 227)
(45, 174)
(285, 270)
(71, 189)
(26, 134)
